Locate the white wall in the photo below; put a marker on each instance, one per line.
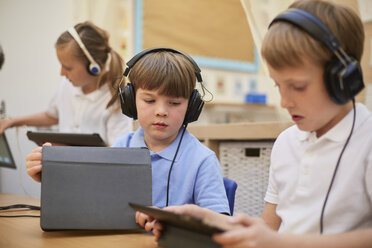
(30, 74)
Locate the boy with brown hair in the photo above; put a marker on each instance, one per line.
(162, 96)
(320, 185)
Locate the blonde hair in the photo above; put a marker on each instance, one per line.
(96, 41)
(287, 45)
(170, 73)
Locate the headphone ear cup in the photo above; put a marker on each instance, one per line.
(94, 69)
(194, 107)
(128, 101)
(332, 81)
(342, 83)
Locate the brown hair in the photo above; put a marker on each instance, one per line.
(96, 41)
(170, 73)
(287, 45)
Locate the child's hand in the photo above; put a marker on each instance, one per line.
(190, 209)
(33, 163)
(157, 229)
(5, 124)
(249, 232)
(207, 216)
(145, 221)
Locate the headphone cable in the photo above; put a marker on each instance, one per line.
(19, 206)
(336, 168)
(174, 158)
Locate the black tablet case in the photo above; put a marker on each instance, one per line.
(6, 157)
(181, 231)
(70, 139)
(90, 187)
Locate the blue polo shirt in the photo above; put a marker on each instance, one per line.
(196, 176)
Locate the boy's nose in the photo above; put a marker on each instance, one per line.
(161, 110)
(285, 101)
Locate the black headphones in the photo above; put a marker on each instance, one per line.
(343, 75)
(127, 95)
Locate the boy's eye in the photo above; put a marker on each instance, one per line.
(175, 103)
(149, 100)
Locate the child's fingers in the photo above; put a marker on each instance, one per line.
(142, 219)
(242, 219)
(188, 209)
(34, 154)
(240, 237)
(33, 163)
(149, 226)
(35, 172)
(158, 227)
(137, 216)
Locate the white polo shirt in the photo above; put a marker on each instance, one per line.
(86, 113)
(301, 170)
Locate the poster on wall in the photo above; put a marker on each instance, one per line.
(215, 33)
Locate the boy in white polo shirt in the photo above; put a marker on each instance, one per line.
(320, 186)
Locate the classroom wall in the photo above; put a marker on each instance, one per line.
(30, 74)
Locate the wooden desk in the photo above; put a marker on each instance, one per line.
(26, 231)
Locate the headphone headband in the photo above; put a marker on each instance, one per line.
(94, 68)
(343, 75)
(137, 57)
(311, 24)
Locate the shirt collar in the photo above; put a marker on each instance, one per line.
(341, 130)
(169, 152)
(92, 96)
(138, 140)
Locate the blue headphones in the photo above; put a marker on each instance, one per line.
(343, 75)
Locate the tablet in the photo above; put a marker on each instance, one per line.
(69, 139)
(183, 221)
(89, 188)
(6, 158)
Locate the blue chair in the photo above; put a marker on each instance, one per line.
(230, 187)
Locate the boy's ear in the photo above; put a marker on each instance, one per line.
(128, 101)
(194, 107)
